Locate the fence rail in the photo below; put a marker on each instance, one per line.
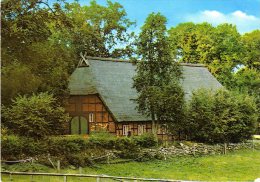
(97, 177)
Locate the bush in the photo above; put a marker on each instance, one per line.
(145, 140)
(37, 116)
(66, 145)
(69, 148)
(11, 146)
(79, 159)
(16, 147)
(102, 139)
(221, 117)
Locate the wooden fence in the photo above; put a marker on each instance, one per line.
(96, 177)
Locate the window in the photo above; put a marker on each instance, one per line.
(125, 130)
(91, 117)
(162, 129)
(141, 129)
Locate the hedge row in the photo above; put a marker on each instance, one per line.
(14, 147)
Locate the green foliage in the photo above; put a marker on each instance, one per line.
(66, 145)
(146, 140)
(26, 167)
(80, 159)
(192, 43)
(251, 44)
(70, 148)
(220, 48)
(11, 144)
(41, 42)
(236, 166)
(32, 59)
(16, 147)
(99, 30)
(171, 107)
(102, 139)
(221, 117)
(157, 73)
(37, 116)
(18, 79)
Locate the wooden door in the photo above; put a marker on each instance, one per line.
(79, 125)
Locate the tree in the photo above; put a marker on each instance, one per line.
(18, 78)
(99, 30)
(37, 116)
(199, 125)
(192, 43)
(46, 40)
(156, 71)
(222, 116)
(32, 60)
(227, 54)
(251, 44)
(219, 48)
(170, 107)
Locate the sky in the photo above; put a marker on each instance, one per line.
(245, 14)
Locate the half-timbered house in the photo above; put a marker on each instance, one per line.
(102, 96)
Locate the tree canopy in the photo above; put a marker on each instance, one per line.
(41, 42)
(157, 74)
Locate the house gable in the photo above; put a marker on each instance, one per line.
(88, 113)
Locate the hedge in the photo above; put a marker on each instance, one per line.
(14, 147)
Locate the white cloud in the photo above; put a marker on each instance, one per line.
(244, 22)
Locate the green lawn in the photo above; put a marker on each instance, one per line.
(237, 166)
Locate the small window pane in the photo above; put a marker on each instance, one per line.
(125, 130)
(91, 117)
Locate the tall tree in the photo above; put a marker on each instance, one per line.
(29, 58)
(220, 48)
(100, 30)
(192, 43)
(44, 41)
(156, 70)
(251, 43)
(227, 53)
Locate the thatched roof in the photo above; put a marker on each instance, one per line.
(112, 80)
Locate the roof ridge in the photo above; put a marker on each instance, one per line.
(108, 59)
(128, 61)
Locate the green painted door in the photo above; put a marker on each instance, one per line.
(84, 125)
(79, 125)
(74, 125)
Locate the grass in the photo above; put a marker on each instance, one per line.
(241, 165)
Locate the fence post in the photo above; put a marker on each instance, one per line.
(58, 165)
(10, 176)
(193, 149)
(31, 178)
(80, 170)
(108, 159)
(98, 179)
(225, 148)
(65, 178)
(253, 144)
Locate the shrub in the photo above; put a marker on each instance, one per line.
(76, 160)
(11, 146)
(145, 140)
(221, 117)
(102, 139)
(66, 145)
(16, 147)
(37, 116)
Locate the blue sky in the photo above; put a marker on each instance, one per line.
(245, 14)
